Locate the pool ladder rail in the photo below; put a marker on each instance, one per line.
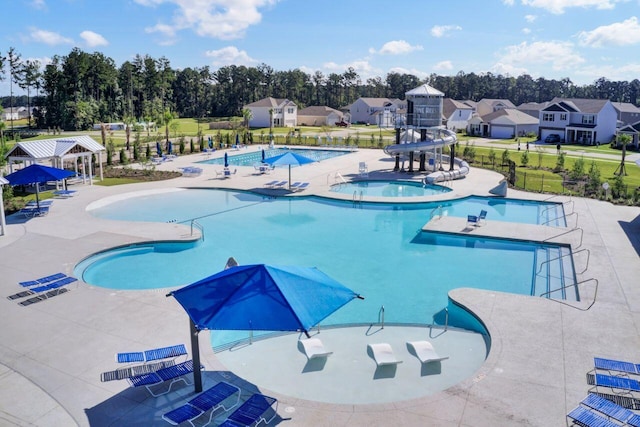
(357, 199)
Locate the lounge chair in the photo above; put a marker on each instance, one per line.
(585, 417)
(252, 411)
(171, 375)
(65, 193)
(44, 289)
(313, 348)
(616, 366)
(43, 296)
(363, 170)
(43, 280)
(132, 371)
(383, 354)
(603, 406)
(210, 400)
(482, 218)
(33, 211)
(299, 186)
(472, 220)
(170, 352)
(271, 183)
(279, 184)
(627, 385)
(425, 352)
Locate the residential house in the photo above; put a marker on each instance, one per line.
(503, 124)
(376, 111)
(456, 114)
(488, 106)
(11, 113)
(633, 130)
(274, 112)
(582, 121)
(319, 116)
(627, 113)
(532, 108)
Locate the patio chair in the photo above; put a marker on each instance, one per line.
(280, 184)
(252, 411)
(170, 375)
(604, 406)
(170, 352)
(313, 348)
(65, 194)
(44, 288)
(43, 296)
(42, 280)
(363, 170)
(132, 371)
(585, 417)
(299, 186)
(425, 352)
(271, 183)
(211, 399)
(616, 366)
(472, 220)
(617, 385)
(383, 354)
(482, 218)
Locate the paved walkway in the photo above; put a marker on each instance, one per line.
(52, 353)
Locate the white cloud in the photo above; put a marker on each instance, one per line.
(396, 47)
(530, 18)
(221, 19)
(619, 34)
(558, 55)
(38, 4)
(413, 71)
(443, 66)
(507, 69)
(508, 2)
(47, 37)
(93, 39)
(230, 55)
(558, 6)
(444, 30)
(363, 68)
(589, 74)
(526, 30)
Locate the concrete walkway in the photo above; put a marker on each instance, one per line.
(52, 353)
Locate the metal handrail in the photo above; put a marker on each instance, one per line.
(199, 226)
(340, 178)
(573, 204)
(433, 211)
(567, 232)
(565, 219)
(566, 255)
(381, 317)
(446, 318)
(595, 294)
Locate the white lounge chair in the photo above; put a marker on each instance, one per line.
(425, 352)
(363, 170)
(383, 354)
(313, 348)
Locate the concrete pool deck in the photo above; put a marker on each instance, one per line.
(52, 352)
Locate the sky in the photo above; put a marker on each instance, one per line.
(582, 40)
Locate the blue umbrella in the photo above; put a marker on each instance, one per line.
(263, 154)
(158, 149)
(237, 140)
(36, 174)
(289, 158)
(260, 297)
(210, 142)
(226, 160)
(169, 147)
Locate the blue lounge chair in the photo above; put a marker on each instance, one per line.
(585, 417)
(271, 183)
(298, 186)
(43, 280)
(171, 375)
(42, 289)
(252, 411)
(616, 366)
(43, 296)
(279, 184)
(33, 211)
(472, 220)
(607, 407)
(628, 385)
(482, 218)
(65, 193)
(210, 400)
(153, 354)
(132, 371)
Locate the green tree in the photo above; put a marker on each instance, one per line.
(593, 178)
(524, 158)
(622, 139)
(492, 157)
(28, 77)
(560, 161)
(505, 157)
(577, 172)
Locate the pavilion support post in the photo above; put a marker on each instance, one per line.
(195, 352)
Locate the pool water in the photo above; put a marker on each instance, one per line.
(377, 250)
(251, 158)
(389, 189)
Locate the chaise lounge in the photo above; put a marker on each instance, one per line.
(252, 412)
(383, 354)
(314, 348)
(153, 354)
(171, 375)
(210, 400)
(425, 352)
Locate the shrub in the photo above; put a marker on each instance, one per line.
(560, 162)
(123, 157)
(524, 158)
(593, 178)
(577, 171)
(505, 157)
(492, 157)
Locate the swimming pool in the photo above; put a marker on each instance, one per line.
(251, 158)
(378, 249)
(389, 189)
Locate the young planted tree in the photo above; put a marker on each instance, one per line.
(622, 139)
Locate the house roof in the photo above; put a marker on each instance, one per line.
(513, 115)
(493, 102)
(377, 102)
(532, 106)
(449, 106)
(48, 148)
(318, 110)
(625, 107)
(579, 104)
(424, 89)
(470, 103)
(270, 102)
(633, 128)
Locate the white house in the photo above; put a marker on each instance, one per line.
(319, 116)
(11, 113)
(376, 111)
(633, 130)
(488, 106)
(582, 121)
(456, 114)
(510, 123)
(627, 113)
(275, 112)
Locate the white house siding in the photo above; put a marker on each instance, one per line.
(502, 132)
(360, 113)
(259, 117)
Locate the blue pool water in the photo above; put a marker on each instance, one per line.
(389, 188)
(378, 250)
(251, 158)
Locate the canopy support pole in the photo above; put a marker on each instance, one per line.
(195, 352)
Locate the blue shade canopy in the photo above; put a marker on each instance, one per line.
(289, 158)
(36, 173)
(261, 297)
(158, 149)
(226, 160)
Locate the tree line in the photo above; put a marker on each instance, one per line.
(77, 90)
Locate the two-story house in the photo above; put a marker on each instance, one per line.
(376, 111)
(579, 121)
(488, 106)
(316, 115)
(273, 112)
(456, 114)
(627, 113)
